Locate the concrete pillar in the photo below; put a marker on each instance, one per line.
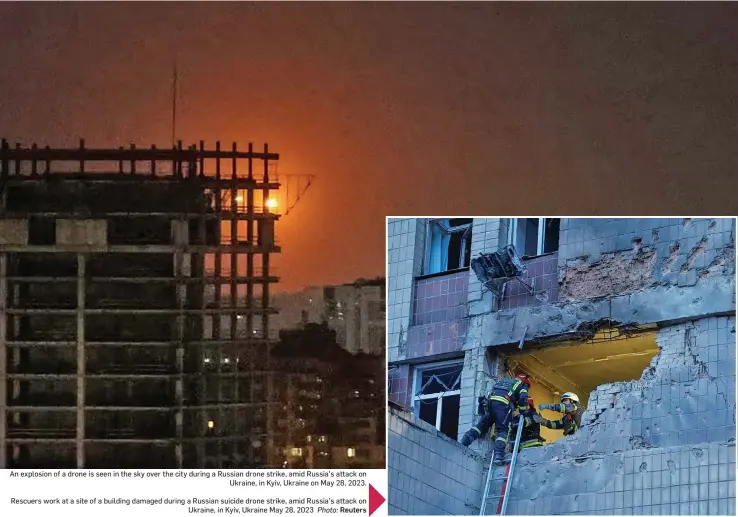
(182, 269)
(13, 356)
(80, 361)
(3, 360)
(406, 244)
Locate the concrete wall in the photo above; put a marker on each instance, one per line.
(676, 425)
(687, 480)
(14, 232)
(670, 252)
(430, 474)
(87, 232)
(631, 270)
(405, 238)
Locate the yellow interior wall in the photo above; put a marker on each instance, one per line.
(581, 367)
(542, 395)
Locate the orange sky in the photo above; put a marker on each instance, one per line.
(400, 108)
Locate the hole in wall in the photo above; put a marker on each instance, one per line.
(582, 367)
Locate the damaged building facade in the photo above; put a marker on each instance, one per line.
(134, 307)
(636, 316)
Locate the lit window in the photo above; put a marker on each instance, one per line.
(351, 452)
(437, 395)
(211, 424)
(449, 245)
(308, 438)
(296, 451)
(532, 237)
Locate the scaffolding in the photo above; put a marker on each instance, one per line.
(134, 307)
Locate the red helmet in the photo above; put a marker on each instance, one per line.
(523, 377)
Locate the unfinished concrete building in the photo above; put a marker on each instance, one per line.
(131, 285)
(637, 316)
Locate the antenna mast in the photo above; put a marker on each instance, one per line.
(174, 104)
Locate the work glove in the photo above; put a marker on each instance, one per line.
(538, 419)
(547, 406)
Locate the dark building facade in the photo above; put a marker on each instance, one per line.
(125, 276)
(331, 410)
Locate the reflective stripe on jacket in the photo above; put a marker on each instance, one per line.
(511, 391)
(570, 422)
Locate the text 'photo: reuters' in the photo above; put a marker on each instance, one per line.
(561, 366)
(155, 360)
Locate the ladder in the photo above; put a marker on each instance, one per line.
(506, 479)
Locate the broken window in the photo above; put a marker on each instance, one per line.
(449, 245)
(534, 236)
(437, 393)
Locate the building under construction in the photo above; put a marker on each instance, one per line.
(134, 307)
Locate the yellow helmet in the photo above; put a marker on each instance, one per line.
(570, 395)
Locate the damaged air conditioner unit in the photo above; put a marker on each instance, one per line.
(495, 270)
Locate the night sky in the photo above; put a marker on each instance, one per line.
(401, 108)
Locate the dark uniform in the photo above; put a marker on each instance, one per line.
(507, 395)
(570, 422)
(531, 435)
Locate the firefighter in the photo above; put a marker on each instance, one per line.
(531, 435)
(507, 395)
(572, 410)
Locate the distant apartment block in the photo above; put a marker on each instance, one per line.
(331, 403)
(356, 312)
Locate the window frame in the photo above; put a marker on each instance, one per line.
(540, 238)
(418, 371)
(463, 229)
